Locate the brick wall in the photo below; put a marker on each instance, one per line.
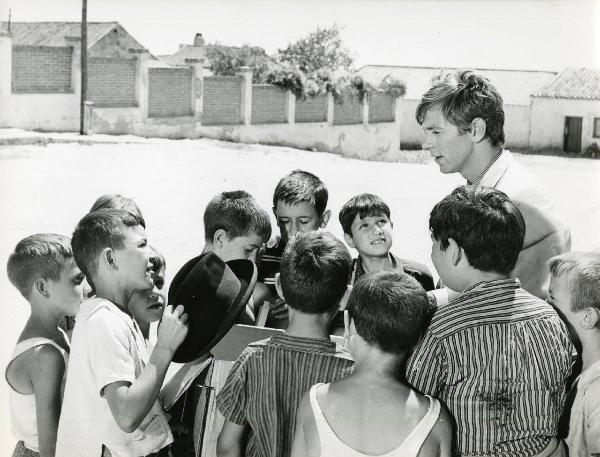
(348, 112)
(111, 82)
(381, 108)
(312, 109)
(170, 92)
(222, 100)
(269, 104)
(40, 69)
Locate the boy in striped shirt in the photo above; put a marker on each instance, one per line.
(262, 392)
(496, 355)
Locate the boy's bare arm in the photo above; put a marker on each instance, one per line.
(231, 440)
(443, 430)
(130, 403)
(46, 373)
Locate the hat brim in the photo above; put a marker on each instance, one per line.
(207, 323)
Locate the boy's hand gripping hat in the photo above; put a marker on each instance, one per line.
(213, 293)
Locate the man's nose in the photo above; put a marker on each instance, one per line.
(293, 229)
(86, 288)
(427, 143)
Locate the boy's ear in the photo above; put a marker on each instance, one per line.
(344, 300)
(41, 286)
(590, 319)
(325, 218)
(278, 286)
(478, 129)
(456, 252)
(349, 240)
(220, 237)
(107, 257)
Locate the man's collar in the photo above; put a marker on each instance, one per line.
(492, 177)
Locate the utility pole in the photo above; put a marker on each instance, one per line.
(83, 67)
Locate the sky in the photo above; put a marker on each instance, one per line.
(521, 34)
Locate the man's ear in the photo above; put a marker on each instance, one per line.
(478, 130)
(41, 286)
(344, 300)
(325, 218)
(456, 252)
(278, 285)
(349, 240)
(219, 238)
(590, 319)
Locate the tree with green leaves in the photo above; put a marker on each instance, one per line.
(227, 60)
(319, 51)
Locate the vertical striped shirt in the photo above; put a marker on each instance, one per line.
(266, 383)
(498, 357)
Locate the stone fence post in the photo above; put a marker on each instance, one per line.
(246, 108)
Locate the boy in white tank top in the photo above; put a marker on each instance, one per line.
(371, 412)
(42, 268)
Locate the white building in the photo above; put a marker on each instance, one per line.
(565, 113)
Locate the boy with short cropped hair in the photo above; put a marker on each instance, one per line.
(388, 313)
(367, 226)
(575, 290)
(235, 226)
(111, 404)
(300, 206)
(263, 389)
(496, 355)
(42, 268)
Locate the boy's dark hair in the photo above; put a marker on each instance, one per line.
(116, 201)
(463, 96)
(99, 230)
(364, 205)
(237, 213)
(390, 309)
(484, 222)
(301, 186)
(42, 255)
(315, 268)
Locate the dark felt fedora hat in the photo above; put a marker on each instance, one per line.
(214, 293)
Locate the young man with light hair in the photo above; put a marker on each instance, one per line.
(462, 116)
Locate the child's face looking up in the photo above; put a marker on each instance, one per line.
(301, 217)
(371, 235)
(147, 305)
(133, 260)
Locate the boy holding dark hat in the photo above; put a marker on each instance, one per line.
(265, 385)
(111, 404)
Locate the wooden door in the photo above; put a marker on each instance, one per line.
(572, 134)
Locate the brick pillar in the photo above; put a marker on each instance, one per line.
(246, 108)
(291, 108)
(365, 110)
(141, 82)
(197, 86)
(5, 78)
(330, 108)
(398, 106)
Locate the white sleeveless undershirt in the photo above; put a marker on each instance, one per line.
(332, 446)
(22, 406)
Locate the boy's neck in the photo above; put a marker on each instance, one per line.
(376, 364)
(474, 276)
(43, 324)
(308, 325)
(373, 264)
(590, 341)
(119, 299)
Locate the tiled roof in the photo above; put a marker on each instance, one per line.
(515, 86)
(575, 83)
(185, 52)
(53, 33)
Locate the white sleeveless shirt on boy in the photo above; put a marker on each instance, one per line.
(332, 446)
(22, 406)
